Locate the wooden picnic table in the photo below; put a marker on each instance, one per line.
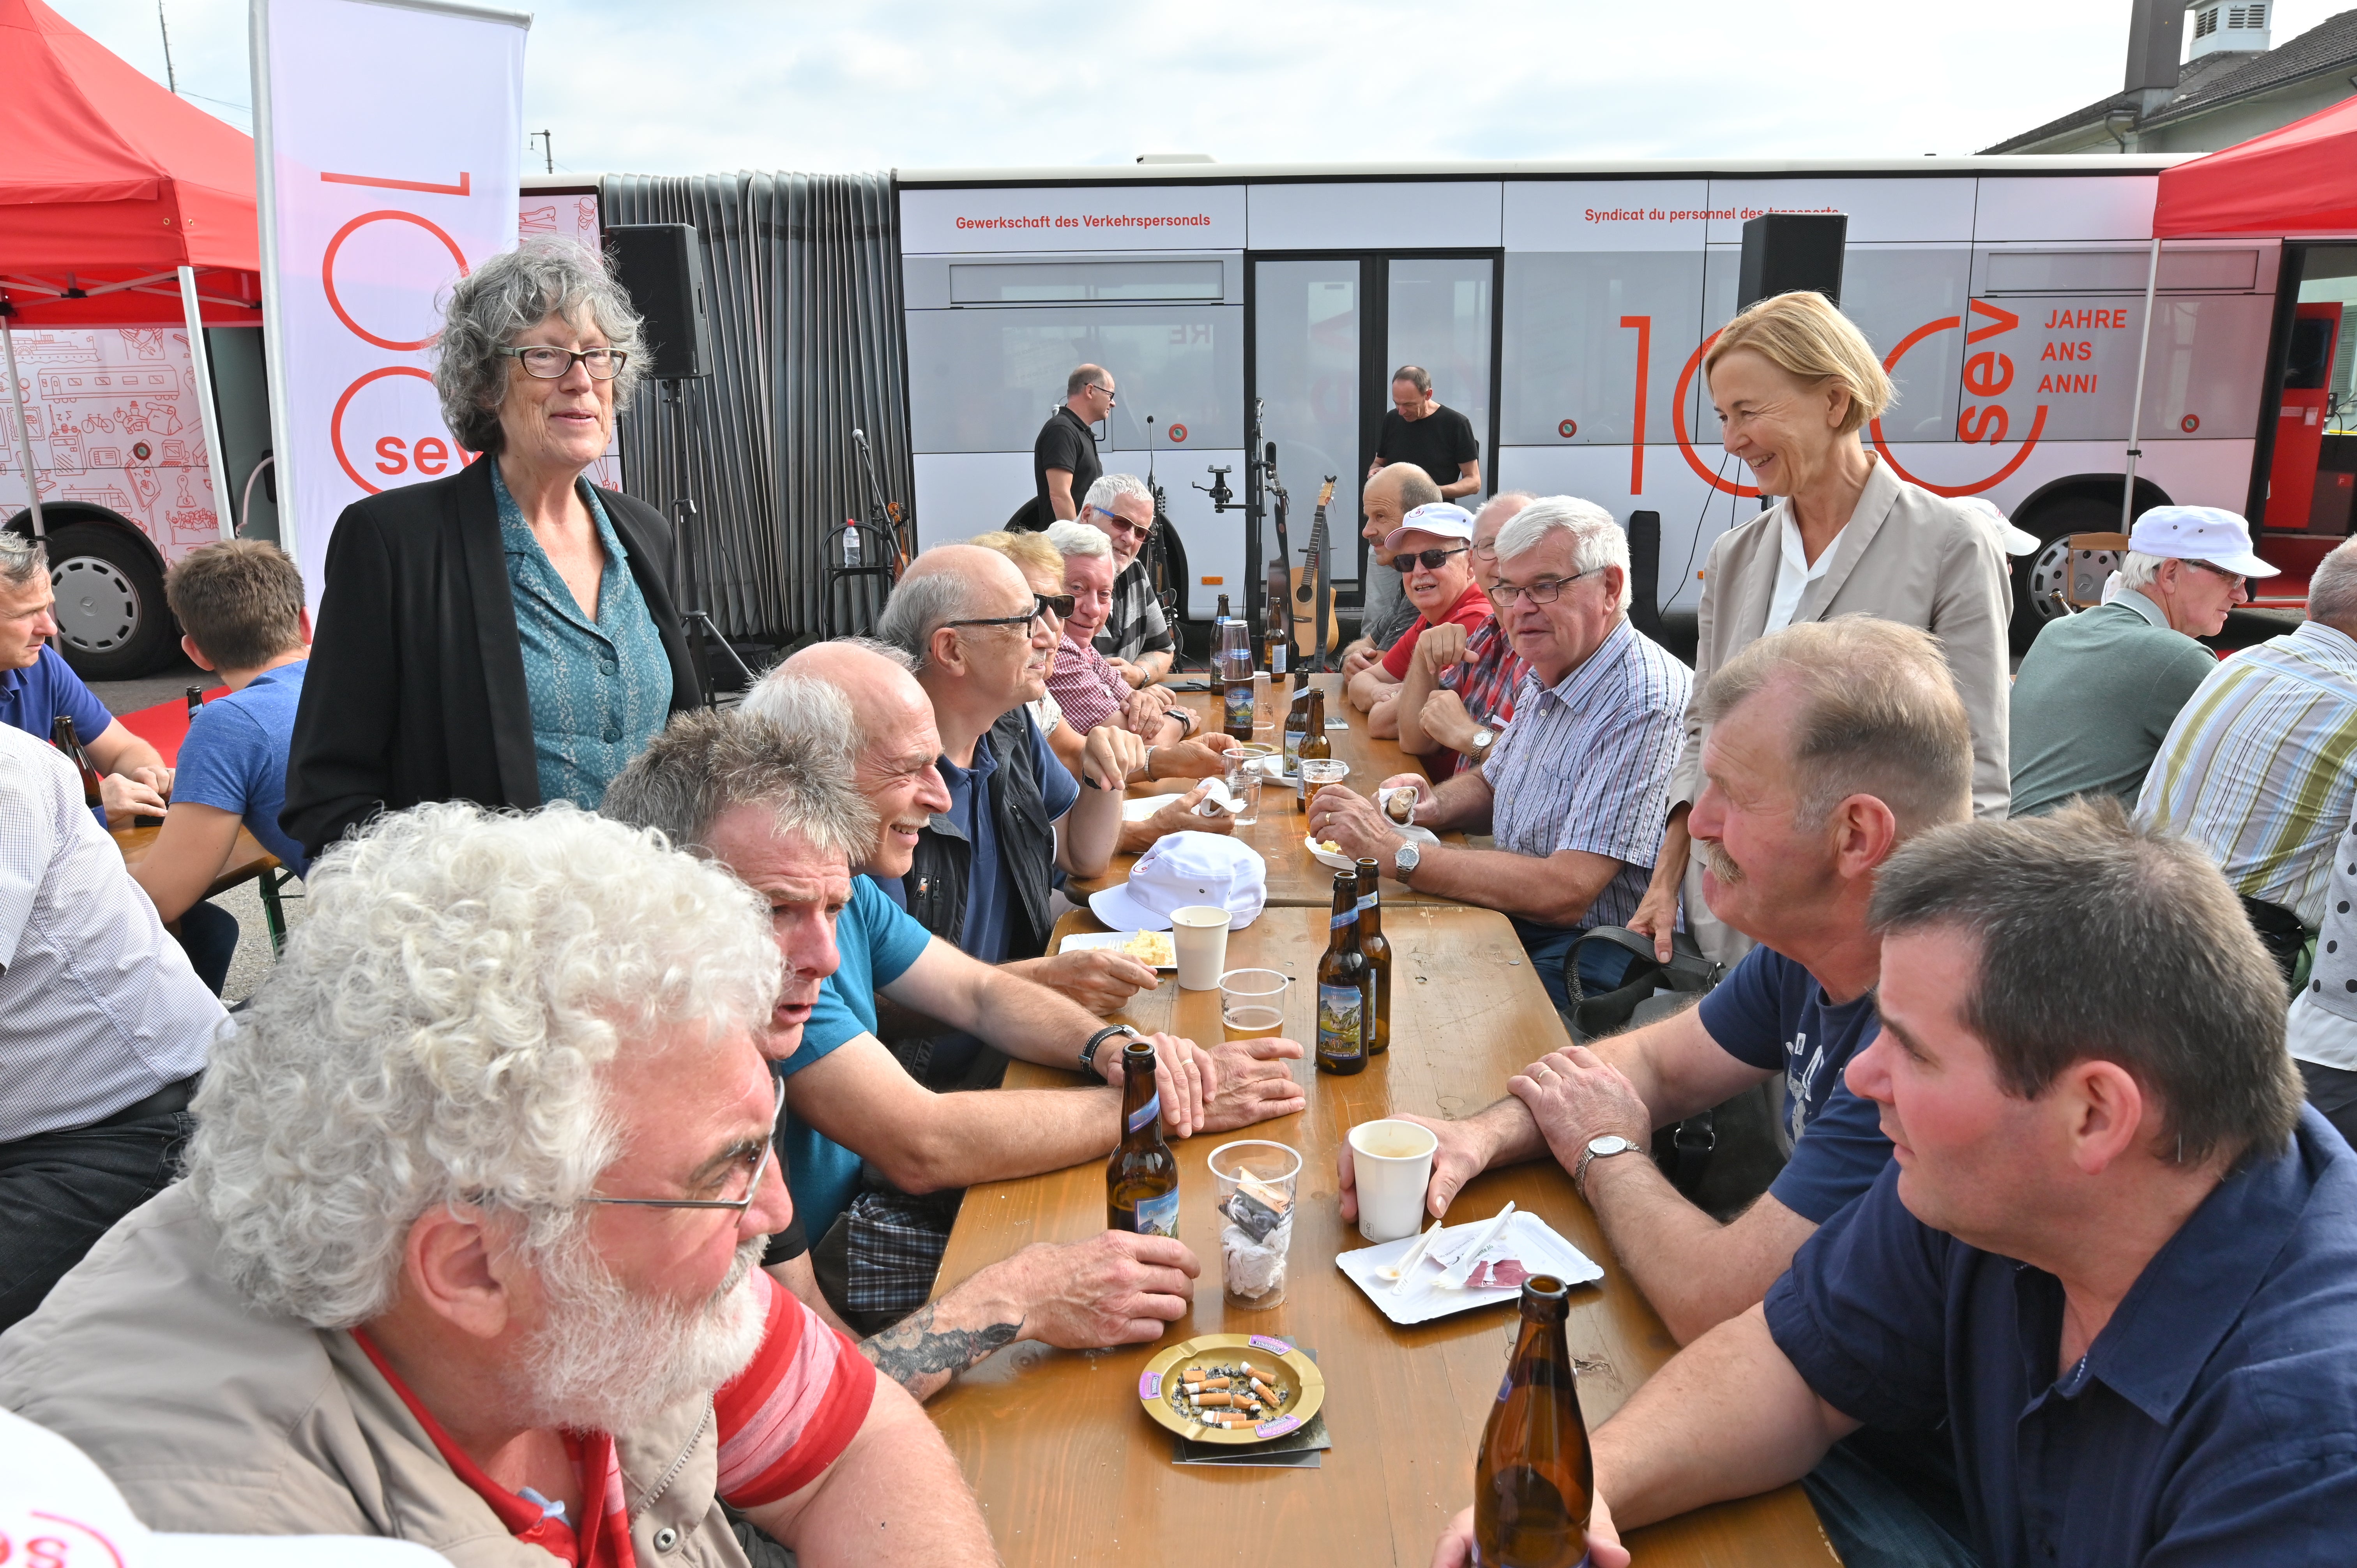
(247, 859)
(1069, 1468)
(1296, 878)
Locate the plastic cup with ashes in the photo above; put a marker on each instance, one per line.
(1256, 1180)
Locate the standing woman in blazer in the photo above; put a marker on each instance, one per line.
(505, 635)
(1793, 382)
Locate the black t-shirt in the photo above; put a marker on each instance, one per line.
(1440, 443)
(1064, 443)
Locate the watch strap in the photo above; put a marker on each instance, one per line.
(1089, 1051)
(1588, 1157)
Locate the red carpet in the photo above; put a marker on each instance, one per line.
(166, 724)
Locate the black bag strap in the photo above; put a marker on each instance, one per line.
(1688, 971)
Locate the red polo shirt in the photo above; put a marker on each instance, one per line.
(1472, 608)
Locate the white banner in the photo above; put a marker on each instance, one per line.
(388, 135)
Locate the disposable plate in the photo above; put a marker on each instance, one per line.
(1421, 1299)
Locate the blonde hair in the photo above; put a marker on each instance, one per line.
(1805, 335)
(1029, 552)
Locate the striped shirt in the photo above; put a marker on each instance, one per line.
(1585, 765)
(1485, 683)
(99, 1008)
(2257, 769)
(1135, 626)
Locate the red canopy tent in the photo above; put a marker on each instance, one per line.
(2299, 182)
(120, 206)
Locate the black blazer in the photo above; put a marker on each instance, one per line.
(415, 691)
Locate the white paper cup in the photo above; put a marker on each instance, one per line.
(1393, 1162)
(1199, 932)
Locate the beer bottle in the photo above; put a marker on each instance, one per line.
(1346, 991)
(1219, 677)
(62, 736)
(1279, 652)
(1296, 726)
(196, 700)
(1378, 948)
(1141, 1178)
(1222, 617)
(1314, 747)
(1533, 1482)
(1235, 655)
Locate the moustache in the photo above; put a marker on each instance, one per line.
(1716, 860)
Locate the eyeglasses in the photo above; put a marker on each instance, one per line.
(1095, 386)
(1546, 591)
(1432, 559)
(2237, 579)
(1060, 606)
(1121, 524)
(548, 364)
(752, 1174)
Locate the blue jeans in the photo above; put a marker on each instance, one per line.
(208, 935)
(1602, 966)
(1889, 1500)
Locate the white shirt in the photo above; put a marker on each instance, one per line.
(99, 1008)
(1793, 573)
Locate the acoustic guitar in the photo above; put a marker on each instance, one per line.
(1312, 589)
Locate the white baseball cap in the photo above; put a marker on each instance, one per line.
(51, 1489)
(1445, 519)
(2013, 540)
(2207, 533)
(1180, 869)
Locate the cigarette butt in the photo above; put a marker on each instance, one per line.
(1264, 1390)
(1193, 1375)
(1231, 1421)
(1218, 1399)
(1219, 1383)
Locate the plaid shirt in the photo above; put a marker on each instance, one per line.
(2257, 769)
(1135, 627)
(1586, 766)
(1485, 683)
(1088, 690)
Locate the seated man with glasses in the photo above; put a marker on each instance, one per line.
(1089, 687)
(2097, 692)
(1135, 636)
(1459, 692)
(1432, 550)
(1576, 791)
(468, 1247)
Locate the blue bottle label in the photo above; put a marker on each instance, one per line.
(1342, 1021)
(1147, 1114)
(1158, 1216)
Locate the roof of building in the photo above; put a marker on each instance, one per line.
(2217, 79)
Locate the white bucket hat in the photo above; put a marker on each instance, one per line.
(1180, 869)
(49, 1488)
(2206, 533)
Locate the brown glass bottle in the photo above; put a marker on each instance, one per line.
(1314, 747)
(196, 700)
(1218, 681)
(1297, 729)
(62, 736)
(1346, 991)
(1533, 1482)
(1141, 1178)
(1280, 652)
(1378, 948)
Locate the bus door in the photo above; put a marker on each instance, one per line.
(2310, 472)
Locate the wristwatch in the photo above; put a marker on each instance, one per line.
(1089, 1051)
(1403, 860)
(1484, 739)
(1602, 1148)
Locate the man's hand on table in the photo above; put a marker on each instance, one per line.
(1143, 709)
(1203, 756)
(1179, 816)
(139, 794)
(1464, 1153)
(1349, 819)
(1184, 1075)
(1113, 1289)
(1455, 1549)
(1360, 655)
(1254, 1084)
(1100, 979)
(1576, 1097)
(1109, 755)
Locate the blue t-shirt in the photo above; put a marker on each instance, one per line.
(235, 757)
(31, 699)
(2213, 1418)
(878, 942)
(1770, 1012)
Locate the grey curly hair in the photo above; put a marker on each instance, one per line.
(510, 293)
(434, 1034)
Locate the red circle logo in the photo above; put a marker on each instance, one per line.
(1177, 432)
(328, 274)
(1567, 429)
(2189, 424)
(142, 451)
(336, 420)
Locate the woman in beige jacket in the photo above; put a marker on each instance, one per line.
(1793, 382)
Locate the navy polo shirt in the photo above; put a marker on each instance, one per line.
(2214, 1420)
(1770, 1012)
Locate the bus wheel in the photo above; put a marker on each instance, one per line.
(2037, 578)
(111, 623)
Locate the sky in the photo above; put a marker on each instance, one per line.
(704, 86)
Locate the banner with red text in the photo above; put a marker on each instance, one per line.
(388, 136)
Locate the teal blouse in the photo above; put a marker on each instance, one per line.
(598, 693)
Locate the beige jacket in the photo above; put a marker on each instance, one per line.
(1906, 555)
(212, 1417)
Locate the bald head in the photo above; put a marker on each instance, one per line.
(947, 583)
(1397, 489)
(894, 768)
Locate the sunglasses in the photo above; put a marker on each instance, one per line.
(1430, 558)
(1058, 605)
(1121, 524)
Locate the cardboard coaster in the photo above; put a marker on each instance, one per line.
(1297, 1450)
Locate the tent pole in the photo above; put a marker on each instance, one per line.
(2136, 415)
(201, 368)
(24, 431)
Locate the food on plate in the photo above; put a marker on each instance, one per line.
(1151, 948)
(1329, 846)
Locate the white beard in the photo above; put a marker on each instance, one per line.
(609, 1360)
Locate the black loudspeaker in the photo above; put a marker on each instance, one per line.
(1645, 572)
(1783, 252)
(661, 267)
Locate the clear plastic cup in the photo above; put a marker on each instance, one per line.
(1244, 796)
(1256, 1180)
(1264, 704)
(1251, 1003)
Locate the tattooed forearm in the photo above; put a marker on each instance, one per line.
(922, 1357)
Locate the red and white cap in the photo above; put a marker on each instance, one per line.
(1443, 520)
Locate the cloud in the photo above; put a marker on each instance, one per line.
(701, 86)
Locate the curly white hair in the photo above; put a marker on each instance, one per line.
(433, 1034)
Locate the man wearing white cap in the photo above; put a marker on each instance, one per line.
(2098, 690)
(1432, 550)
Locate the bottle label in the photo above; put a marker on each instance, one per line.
(1276, 657)
(1349, 916)
(1158, 1216)
(1293, 750)
(1342, 1021)
(1240, 702)
(1147, 1114)
(1366, 900)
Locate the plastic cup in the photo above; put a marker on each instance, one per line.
(1264, 704)
(1392, 1163)
(1256, 1180)
(1244, 796)
(1251, 1003)
(1199, 932)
